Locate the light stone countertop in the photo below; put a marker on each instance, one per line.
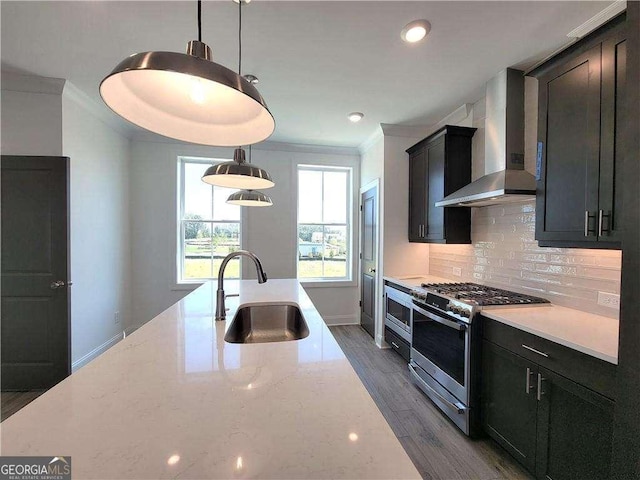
(174, 400)
(594, 335)
(414, 281)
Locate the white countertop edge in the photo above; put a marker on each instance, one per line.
(554, 338)
(413, 281)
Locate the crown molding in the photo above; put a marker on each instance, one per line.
(305, 148)
(76, 95)
(598, 19)
(371, 140)
(143, 136)
(18, 82)
(409, 131)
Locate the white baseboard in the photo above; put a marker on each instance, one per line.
(81, 362)
(129, 330)
(335, 320)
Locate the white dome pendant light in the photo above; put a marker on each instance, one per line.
(188, 97)
(248, 197)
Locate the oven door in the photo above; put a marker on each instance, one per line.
(441, 347)
(398, 312)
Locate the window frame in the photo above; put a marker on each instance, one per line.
(182, 282)
(348, 280)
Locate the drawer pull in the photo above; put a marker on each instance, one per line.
(535, 351)
(395, 344)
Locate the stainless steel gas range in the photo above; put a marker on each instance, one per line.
(445, 344)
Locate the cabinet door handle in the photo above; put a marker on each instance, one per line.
(395, 344)
(587, 230)
(531, 349)
(540, 392)
(586, 223)
(528, 387)
(601, 216)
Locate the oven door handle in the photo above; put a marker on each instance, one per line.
(438, 319)
(457, 407)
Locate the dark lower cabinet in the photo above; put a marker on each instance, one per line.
(556, 428)
(575, 428)
(400, 346)
(509, 408)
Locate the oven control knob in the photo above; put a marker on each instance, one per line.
(465, 313)
(455, 309)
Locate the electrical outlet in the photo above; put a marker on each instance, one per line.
(610, 300)
(116, 318)
(457, 271)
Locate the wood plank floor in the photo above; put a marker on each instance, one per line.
(436, 446)
(11, 402)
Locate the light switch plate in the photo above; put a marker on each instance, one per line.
(457, 271)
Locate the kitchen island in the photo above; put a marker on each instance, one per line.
(174, 400)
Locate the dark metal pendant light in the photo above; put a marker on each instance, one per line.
(249, 197)
(188, 97)
(238, 173)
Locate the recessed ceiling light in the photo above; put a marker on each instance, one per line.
(415, 31)
(355, 117)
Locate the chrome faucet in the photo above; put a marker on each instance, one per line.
(262, 278)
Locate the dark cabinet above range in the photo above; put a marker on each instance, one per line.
(438, 166)
(580, 119)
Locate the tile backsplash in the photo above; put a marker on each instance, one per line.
(505, 254)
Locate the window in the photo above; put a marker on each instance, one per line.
(209, 228)
(324, 223)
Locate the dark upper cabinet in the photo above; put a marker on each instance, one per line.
(580, 110)
(439, 165)
(557, 428)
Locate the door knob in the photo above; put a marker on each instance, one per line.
(372, 270)
(57, 284)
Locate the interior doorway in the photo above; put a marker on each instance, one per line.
(35, 325)
(368, 257)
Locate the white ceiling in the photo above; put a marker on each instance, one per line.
(317, 61)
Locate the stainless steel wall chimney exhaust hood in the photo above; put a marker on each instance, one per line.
(505, 178)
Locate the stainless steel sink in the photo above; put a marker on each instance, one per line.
(267, 323)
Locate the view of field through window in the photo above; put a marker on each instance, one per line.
(323, 229)
(209, 227)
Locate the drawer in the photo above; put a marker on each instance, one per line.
(398, 344)
(593, 373)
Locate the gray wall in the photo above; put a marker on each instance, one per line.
(269, 232)
(38, 118)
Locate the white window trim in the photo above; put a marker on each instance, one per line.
(179, 282)
(352, 228)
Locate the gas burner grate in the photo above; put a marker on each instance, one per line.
(482, 294)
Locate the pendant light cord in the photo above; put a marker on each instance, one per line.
(240, 37)
(200, 20)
